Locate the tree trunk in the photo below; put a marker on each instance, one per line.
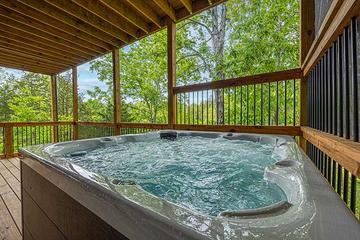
(219, 21)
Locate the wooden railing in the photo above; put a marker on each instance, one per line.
(15, 135)
(18, 135)
(264, 103)
(332, 72)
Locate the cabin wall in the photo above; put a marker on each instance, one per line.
(321, 9)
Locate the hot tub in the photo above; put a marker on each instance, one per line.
(178, 185)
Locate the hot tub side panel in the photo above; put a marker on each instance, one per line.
(50, 213)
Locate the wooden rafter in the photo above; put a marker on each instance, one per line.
(54, 12)
(145, 10)
(93, 42)
(29, 57)
(86, 16)
(22, 47)
(25, 67)
(32, 62)
(78, 43)
(187, 4)
(167, 8)
(126, 12)
(30, 41)
(109, 15)
(27, 33)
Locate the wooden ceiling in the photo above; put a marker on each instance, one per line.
(51, 36)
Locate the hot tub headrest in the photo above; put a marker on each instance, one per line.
(170, 135)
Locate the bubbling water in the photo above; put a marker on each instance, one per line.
(209, 175)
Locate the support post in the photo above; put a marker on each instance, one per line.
(8, 141)
(75, 104)
(307, 30)
(54, 107)
(116, 90)
(307, 27)
(171, 65)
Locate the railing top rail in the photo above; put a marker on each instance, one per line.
(100, 124)
(25, 124)
(143, 125)
(125, 125)
(239, 81)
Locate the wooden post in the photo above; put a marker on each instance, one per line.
(171, 65)
(307, 30)
(307, 27)
(8, 141)
(116, 90)
(54, 106)
(75, 104)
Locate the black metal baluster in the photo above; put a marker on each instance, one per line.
(235, 122)
(261, 104)
(229, 99)
(189, 108)
(269, 103)
(294, 102)
(241, 105)
(202, 107)
(212, 107)
(247, 105)
(254, 103)
(277, 103)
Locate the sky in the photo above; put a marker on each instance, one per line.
(87, 80)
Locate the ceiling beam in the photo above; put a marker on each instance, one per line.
(126, 12)
(54, 12)
(19, 47)
(145, 10)
(165, 6)
(112, 17)
(28, 57)
(94, 42)
(34, 38)
(23, 67)
(76, 42)
(86, 16)
(197, 7)
(17, 36)
(187, 4)
(33, 31)
(27, 62)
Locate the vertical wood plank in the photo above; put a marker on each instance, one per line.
(171, 64)
(307, 27)
(54, 106)
(75, 103)
(116, 89)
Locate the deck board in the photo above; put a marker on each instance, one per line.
(13, 170)
(10, 201)
(15, 162)
(11, 180)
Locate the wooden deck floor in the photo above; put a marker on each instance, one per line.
(10, 199)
